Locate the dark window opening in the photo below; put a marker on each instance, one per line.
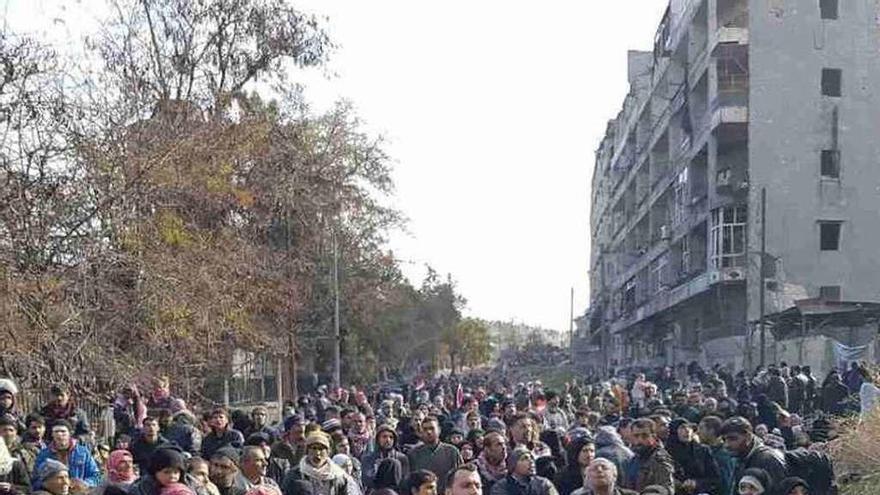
(828, 9)
(831, 164)
(830, 293)
(829, 236)
(832, 81)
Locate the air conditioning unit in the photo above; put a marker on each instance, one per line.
(664, 233)
(724, 177)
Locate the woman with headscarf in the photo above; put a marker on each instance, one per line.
(579, 454)
(120, 472)
(14, 479)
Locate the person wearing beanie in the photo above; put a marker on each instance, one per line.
(521, 477)
(316, 471)
(221, 435)
(82, 467)
(225, 471)
(386, 448)
(754, 482)
(610, 445)
(696, 468)
(17, 449)
(166, 467)
(53, 478)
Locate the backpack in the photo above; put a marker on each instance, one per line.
(816, 468)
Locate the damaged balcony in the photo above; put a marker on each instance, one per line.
(733, 25)
(731, 103)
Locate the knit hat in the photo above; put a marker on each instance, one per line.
(318, 438)
(50, 469)
(757, 477)
(789, 484)
(258, 438)
(655, 490)
(295, 420)
(166, 457)
(230, 453)
(8, 386)
(331, 425)
(515, 456)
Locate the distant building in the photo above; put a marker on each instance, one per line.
(738, 96)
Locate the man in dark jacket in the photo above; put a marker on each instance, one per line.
(147, 442)
(221, 435)
(697, 471)
(652, 464)
(183, 432)
(751, 452)
(521, 478)
(777, 389)
(61, 407)
(797, 391)
(710, 435)
(433, 455)
(609, 445)
(386, 448)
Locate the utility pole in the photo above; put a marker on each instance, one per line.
(337, 338)
(761, 276)
(571, 328)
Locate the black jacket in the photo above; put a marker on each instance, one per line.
(141, 451)
(762, 457)
(694, 461)
(213, 442)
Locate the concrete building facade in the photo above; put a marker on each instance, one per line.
(738, 96)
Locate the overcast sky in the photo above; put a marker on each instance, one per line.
(493, 110)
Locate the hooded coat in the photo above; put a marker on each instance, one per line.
(609, 445)
(693, 461)
(370, 461)
(572, 477)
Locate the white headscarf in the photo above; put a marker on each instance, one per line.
(6, 459)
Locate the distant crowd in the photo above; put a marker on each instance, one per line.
(657, 432)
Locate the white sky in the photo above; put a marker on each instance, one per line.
(493, 110)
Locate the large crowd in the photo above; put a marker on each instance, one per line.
(647, 432)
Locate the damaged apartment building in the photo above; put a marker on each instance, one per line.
(739, 99)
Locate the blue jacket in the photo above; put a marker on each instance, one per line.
(80, 464)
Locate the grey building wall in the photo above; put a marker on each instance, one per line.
(791, 122)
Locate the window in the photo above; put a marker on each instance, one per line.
(657, 278)
(828, 9)
(831, 164)
(829, 236)
(832, 80)
(829, 293)
(685, 266)
(729, 237)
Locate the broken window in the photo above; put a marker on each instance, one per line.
(830, 293)
(830, 164)
(684, 267)
(680, 198)
(657, 278)
(729, 237)
(832, 81)
(829, 236)
(828, 9)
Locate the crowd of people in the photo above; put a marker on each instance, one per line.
(647, 432)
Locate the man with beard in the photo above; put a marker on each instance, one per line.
(433, 455)
(61, 407)
(386, 448)
(315, 474)
(225, 471)
(221, 435)
(82, 468)
(652, 465)
(292, 445)
(751, 452)
(492, 463)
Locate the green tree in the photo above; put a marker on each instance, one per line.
(468, 343)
